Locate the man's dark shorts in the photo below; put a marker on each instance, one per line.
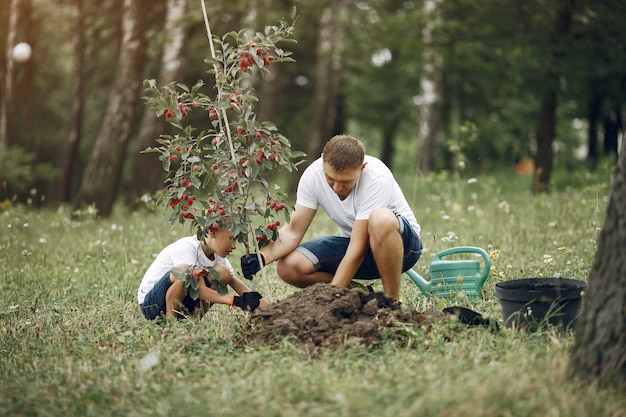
(327, 252)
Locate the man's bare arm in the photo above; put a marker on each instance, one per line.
(359, 241)
(290, 235)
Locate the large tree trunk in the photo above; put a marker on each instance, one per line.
(325, 101)
(147, 173)
(68, 157)
(599, 352)
(429, 84)
(100, 182)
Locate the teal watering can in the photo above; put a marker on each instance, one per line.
(448, 278)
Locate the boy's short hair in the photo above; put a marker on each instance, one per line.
(343, 152)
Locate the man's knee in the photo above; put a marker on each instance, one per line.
(382, 220)
(293, 267)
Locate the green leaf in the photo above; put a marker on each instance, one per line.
(219, 287)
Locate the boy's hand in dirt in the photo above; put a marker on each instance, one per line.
(248, 301)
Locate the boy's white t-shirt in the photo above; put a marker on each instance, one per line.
(187, 251)
(375, 188)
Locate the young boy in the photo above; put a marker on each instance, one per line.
(162, 293)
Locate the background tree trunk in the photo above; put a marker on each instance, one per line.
(7, 80)
(147, 172)
(595, 108)
(325, 101)
(546, 125)
(429, 85)
(545, 137)
(102, 176)
(600, 343)
(68, 157)
(612, 128)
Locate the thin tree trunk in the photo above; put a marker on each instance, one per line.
(68, 157)
(612, 128)
(599, 352)
(595, 106)
(101, 180)
(545, 138)
(325, 101)
(7, 90)
(429, 84)
(147, 172)
(546, 125)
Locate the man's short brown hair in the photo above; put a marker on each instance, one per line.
(343, 152)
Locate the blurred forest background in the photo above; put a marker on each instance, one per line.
(472, 86)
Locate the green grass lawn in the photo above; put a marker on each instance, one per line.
(73, 342)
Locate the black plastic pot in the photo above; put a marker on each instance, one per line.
(532, 303)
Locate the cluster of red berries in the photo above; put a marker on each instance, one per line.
(231, 186)
(273, 226)
(187, 215)
(185, 200)
(246, 59)
(213, 115)
(276, 206)
(198, 274)
(216, 208)
(181, 108)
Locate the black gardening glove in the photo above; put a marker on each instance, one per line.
(250, 265)
(248, 301)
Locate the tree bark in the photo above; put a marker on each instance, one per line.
(68, 158)
(545, 138)
(429, 84)
(546, 125)
(101, 180)
(612, 128)
(595, 107)
(147, 173)
(7, 89)
(599, 352)
(325, 101)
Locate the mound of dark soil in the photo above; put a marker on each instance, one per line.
(327, 316)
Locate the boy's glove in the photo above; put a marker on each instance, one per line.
(250, 265)
(248, 301)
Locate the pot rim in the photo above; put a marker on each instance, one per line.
(565, 288)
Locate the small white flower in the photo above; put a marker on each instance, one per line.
(149, 361)
(472, 180)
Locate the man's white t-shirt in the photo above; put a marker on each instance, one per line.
(375, 188)
(187, 251)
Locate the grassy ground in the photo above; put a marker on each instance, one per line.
(73, 342)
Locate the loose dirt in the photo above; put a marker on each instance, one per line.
(327, 316)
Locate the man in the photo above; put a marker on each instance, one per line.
(379, 236)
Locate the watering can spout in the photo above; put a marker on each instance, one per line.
(419, 281)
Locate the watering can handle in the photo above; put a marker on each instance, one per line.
(467, 249)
